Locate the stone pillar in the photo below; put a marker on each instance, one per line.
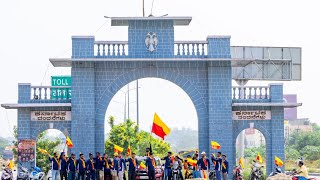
(83, 46)
(277, 126)
(83, 125)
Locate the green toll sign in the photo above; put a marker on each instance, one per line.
(63, 92)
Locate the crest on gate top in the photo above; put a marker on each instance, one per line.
(151, 41)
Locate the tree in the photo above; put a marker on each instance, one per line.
(48, 145)
(126, 134)
(15, 143)
(311, 153)
(253, 152)
(291, 154)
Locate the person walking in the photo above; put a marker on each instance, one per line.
(71, 167)
(217, 161)
(81, 167)
(107, 165)
(133, 166)
(63, 166)
(167, 166)
(151, 164)
(204, 166)
(91, 171)
(98, 166)
(122, 168)
(225, 167)
(55, 166)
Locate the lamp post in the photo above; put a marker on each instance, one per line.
(127, 103)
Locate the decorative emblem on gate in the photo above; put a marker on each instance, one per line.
(151, 41)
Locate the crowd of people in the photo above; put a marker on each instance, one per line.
(103, 167)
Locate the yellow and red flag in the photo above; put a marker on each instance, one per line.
(278, 161)
(204, 174)
(43, 151)
(259, 158)
(159, 128)
(241, 163)
(10, 165)
(215, 145)
(129, 151)
(117, 149)
(192, 162)
(142, 166)
(69, 142)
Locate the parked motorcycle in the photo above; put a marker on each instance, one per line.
(237, 173)
(6, 174)
(23, 173)
(37, 174)
(256, 173)
(275, 172)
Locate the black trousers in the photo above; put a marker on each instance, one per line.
(152, 175)
(132, 175)
(63, 174)
(107, 175)
(81, 176)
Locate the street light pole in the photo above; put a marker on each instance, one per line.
(138, 104)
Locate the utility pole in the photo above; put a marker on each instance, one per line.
(143, 8)
(138, 104)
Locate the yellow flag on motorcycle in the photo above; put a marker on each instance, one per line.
(278, 161)
(259, 158)
(241, 163)
(10, 165)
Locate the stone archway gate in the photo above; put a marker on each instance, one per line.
(203, 69)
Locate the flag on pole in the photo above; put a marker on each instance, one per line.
(69, 142)
(278, 161)
(117, 149)
(10, 165)
(241, 163)
(159, 128)
(215, 145)
(43, 151)
(259, 158)
(129, 151)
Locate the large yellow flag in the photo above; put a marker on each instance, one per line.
(192, 162)
(278, 161)
(159, 128)
(43, 151)
(117, 149)
(142, 165)
(69, 142)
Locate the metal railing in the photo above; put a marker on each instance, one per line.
(50, 92)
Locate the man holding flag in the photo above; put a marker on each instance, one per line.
(55, 166)
(217, 161)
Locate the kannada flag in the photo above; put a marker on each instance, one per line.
(192, 162)
(278, 161)
(142, 165)
(241, 163)
(43, 151)
(159, 128)
(69, 142)
(117, 149)
(129, 151)
(259, 158)
(10, 165)
(215, 145)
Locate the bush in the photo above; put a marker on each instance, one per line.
(311, 153)
(291, 154)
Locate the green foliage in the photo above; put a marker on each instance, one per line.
(291, 154)
(311, 153)
(15, 143)
(48, 145)
(126, 134)
(253, 152)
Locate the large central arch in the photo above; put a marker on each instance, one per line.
(172, 76)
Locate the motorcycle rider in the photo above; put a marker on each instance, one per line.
(302, 171)
(55, 163)
(177, 165)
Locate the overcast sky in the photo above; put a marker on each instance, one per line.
(33, 31)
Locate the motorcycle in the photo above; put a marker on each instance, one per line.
(7, 174)
(212, 175)
(256, 173)
(37, 174)
(277, 171)
(23, 173)
(294, 177)
(237, 173)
